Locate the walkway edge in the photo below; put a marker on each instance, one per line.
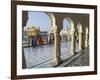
(68, 61)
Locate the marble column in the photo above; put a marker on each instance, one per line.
(56, 59)
(86, 38)
(72, 41)
(80, 37)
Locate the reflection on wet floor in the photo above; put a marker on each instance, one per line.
(41, 56)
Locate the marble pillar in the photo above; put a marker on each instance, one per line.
(86, 38)
(56, 59)
(80, 37)
(72, 41)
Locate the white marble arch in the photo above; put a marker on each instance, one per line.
(69, 32)
(54, 28)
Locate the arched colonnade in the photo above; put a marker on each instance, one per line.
(78, 24)
(72, 31)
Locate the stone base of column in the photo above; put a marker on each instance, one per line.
(86, 45)
(72, 52)
(56, 61)
(78, 50)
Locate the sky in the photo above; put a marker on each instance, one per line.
(42, 20)
(66, 23)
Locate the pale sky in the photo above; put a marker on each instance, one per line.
(41, 19)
